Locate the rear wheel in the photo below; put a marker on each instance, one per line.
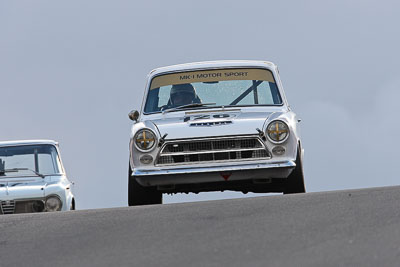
(295, 181)
(140, 195)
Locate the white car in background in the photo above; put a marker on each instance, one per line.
(32, 178)
(214, 126)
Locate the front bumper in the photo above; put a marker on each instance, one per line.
(198, 175)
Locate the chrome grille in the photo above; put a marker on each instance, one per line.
(211, 150)
(28, 206)
(8, 206)
(21, 206)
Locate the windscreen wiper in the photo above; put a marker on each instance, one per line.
(191, 105)
(2, 172)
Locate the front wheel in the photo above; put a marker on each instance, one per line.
(72, 207)
(295, 181)
(140, 195)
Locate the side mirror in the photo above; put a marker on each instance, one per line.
(133, 115)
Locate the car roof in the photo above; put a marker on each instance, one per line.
(214, 64)
(27, 142)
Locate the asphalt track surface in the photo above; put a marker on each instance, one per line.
(338, 228)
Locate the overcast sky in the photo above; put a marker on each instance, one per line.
(72, 70)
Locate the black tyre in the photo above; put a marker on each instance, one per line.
(140, 195)
(295, 182)
(72, 205)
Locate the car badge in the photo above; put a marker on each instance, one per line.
(226, 175)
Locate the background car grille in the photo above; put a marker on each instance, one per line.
(21, 206)
(211, 150)
(8, 207)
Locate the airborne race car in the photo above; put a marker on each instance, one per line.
(214, 126)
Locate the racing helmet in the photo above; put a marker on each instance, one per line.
(182, 94)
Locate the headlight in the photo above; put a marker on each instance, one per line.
(278, 131)
(145, 140)
(53, 203)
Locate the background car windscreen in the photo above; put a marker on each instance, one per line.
(40, 158)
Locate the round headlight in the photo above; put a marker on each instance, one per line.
(145, 140)
(53, 203)
(278, 131)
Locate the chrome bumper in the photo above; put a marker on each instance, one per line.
(241, 167)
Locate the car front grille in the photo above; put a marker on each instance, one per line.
(21, 206)
(7, 207)
(212, 150)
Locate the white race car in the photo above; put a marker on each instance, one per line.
(214, 126)
(32, 178)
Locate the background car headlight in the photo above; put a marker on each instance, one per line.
(53, 203)
(145, 139)
(278, 131)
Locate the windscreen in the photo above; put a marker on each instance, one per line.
(219, 87)
(40, 158)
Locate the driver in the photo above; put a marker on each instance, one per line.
(183, 94)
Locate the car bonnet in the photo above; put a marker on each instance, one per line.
(208, 124)
(22, 188)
